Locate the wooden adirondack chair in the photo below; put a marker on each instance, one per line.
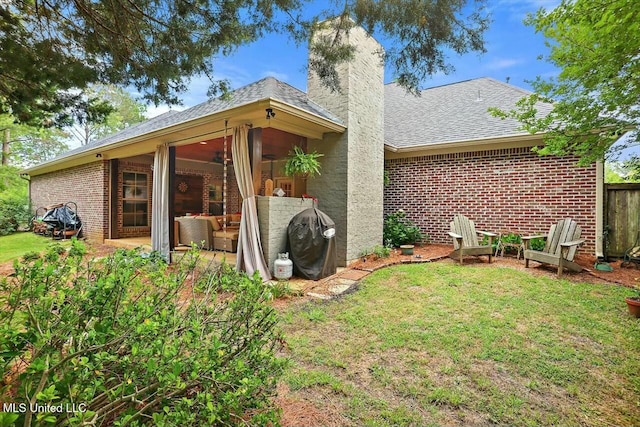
(465, 239)
(560, 248)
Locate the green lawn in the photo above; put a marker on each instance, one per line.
(17, 244)
(441, 344)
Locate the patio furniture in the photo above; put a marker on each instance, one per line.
(207, 233)
(193, 230)
(503, 245)
(632, 255)
(465, 239)
(560, 248)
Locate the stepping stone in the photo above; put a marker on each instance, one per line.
(354, 274)
(319, 296)
(338, 289)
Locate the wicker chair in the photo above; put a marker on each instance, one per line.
(195, 231)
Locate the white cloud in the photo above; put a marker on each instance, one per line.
(503, 63)
(154, 111)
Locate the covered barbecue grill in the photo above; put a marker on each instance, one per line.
(311, 244)
(62, 221)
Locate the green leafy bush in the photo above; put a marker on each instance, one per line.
(14, 200)
(537, 244)
(128, 341)
(400, 230)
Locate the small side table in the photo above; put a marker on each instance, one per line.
(503, 245)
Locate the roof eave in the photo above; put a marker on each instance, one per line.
(238, 114)
(467, 145)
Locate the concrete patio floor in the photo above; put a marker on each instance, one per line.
(145, 244)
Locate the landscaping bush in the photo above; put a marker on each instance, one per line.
(400, 230)
(128, 341)
(14, 200)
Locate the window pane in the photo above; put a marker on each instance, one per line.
(135, 204)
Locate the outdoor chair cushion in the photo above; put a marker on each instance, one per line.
(229, 234)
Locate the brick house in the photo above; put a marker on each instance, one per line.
(443, 152)
(446, 154)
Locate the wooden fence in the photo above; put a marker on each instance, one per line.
(622, 217)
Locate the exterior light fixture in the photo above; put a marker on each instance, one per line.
(270, 113)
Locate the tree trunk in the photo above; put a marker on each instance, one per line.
(5, 147)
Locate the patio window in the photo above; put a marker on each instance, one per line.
(135, 199)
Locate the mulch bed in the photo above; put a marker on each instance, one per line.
(434, 252)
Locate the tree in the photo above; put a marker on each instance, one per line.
(51, 50)
(28, 145)
(123, 110)
(595, 44)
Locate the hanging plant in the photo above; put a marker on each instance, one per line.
(302, 164)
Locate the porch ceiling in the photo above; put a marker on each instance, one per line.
(276, 144)
(288, 119)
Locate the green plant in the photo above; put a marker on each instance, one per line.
(302, 164)
(14, 200)
(378, 251)
(400, 230)
(128, 341)
(537, 244)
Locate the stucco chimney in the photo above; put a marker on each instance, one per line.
(350, 189)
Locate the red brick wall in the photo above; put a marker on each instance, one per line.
(510, 189)
(86, 186)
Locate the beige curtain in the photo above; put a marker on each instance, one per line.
(249, 257)
(160, 204)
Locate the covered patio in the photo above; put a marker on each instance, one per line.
(214, 167)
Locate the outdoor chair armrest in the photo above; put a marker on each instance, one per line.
(533, 237)
(454, 235)
(487, 233)
(572, 243)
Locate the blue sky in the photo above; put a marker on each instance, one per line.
(513, 51)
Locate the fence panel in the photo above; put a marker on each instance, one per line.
(622, 217)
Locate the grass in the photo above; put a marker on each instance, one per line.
(17, 244)
(441, 344)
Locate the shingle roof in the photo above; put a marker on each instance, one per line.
(454, 112)
(267, 88)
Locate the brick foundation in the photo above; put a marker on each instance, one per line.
(511, 189)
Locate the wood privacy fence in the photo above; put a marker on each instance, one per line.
(622, 217)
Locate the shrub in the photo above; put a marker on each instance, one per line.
(537, 244)
(133, 342)
(14, 212)
(400, 230)
(14, 200)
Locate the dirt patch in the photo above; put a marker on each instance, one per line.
(297, 412)
(421, 253)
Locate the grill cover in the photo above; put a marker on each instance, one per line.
(311, 244)
(62, 217)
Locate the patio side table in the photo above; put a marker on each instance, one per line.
(501, 246)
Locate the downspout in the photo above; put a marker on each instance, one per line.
(600, 210)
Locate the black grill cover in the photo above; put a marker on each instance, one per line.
(313, 254)
(62, 217)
